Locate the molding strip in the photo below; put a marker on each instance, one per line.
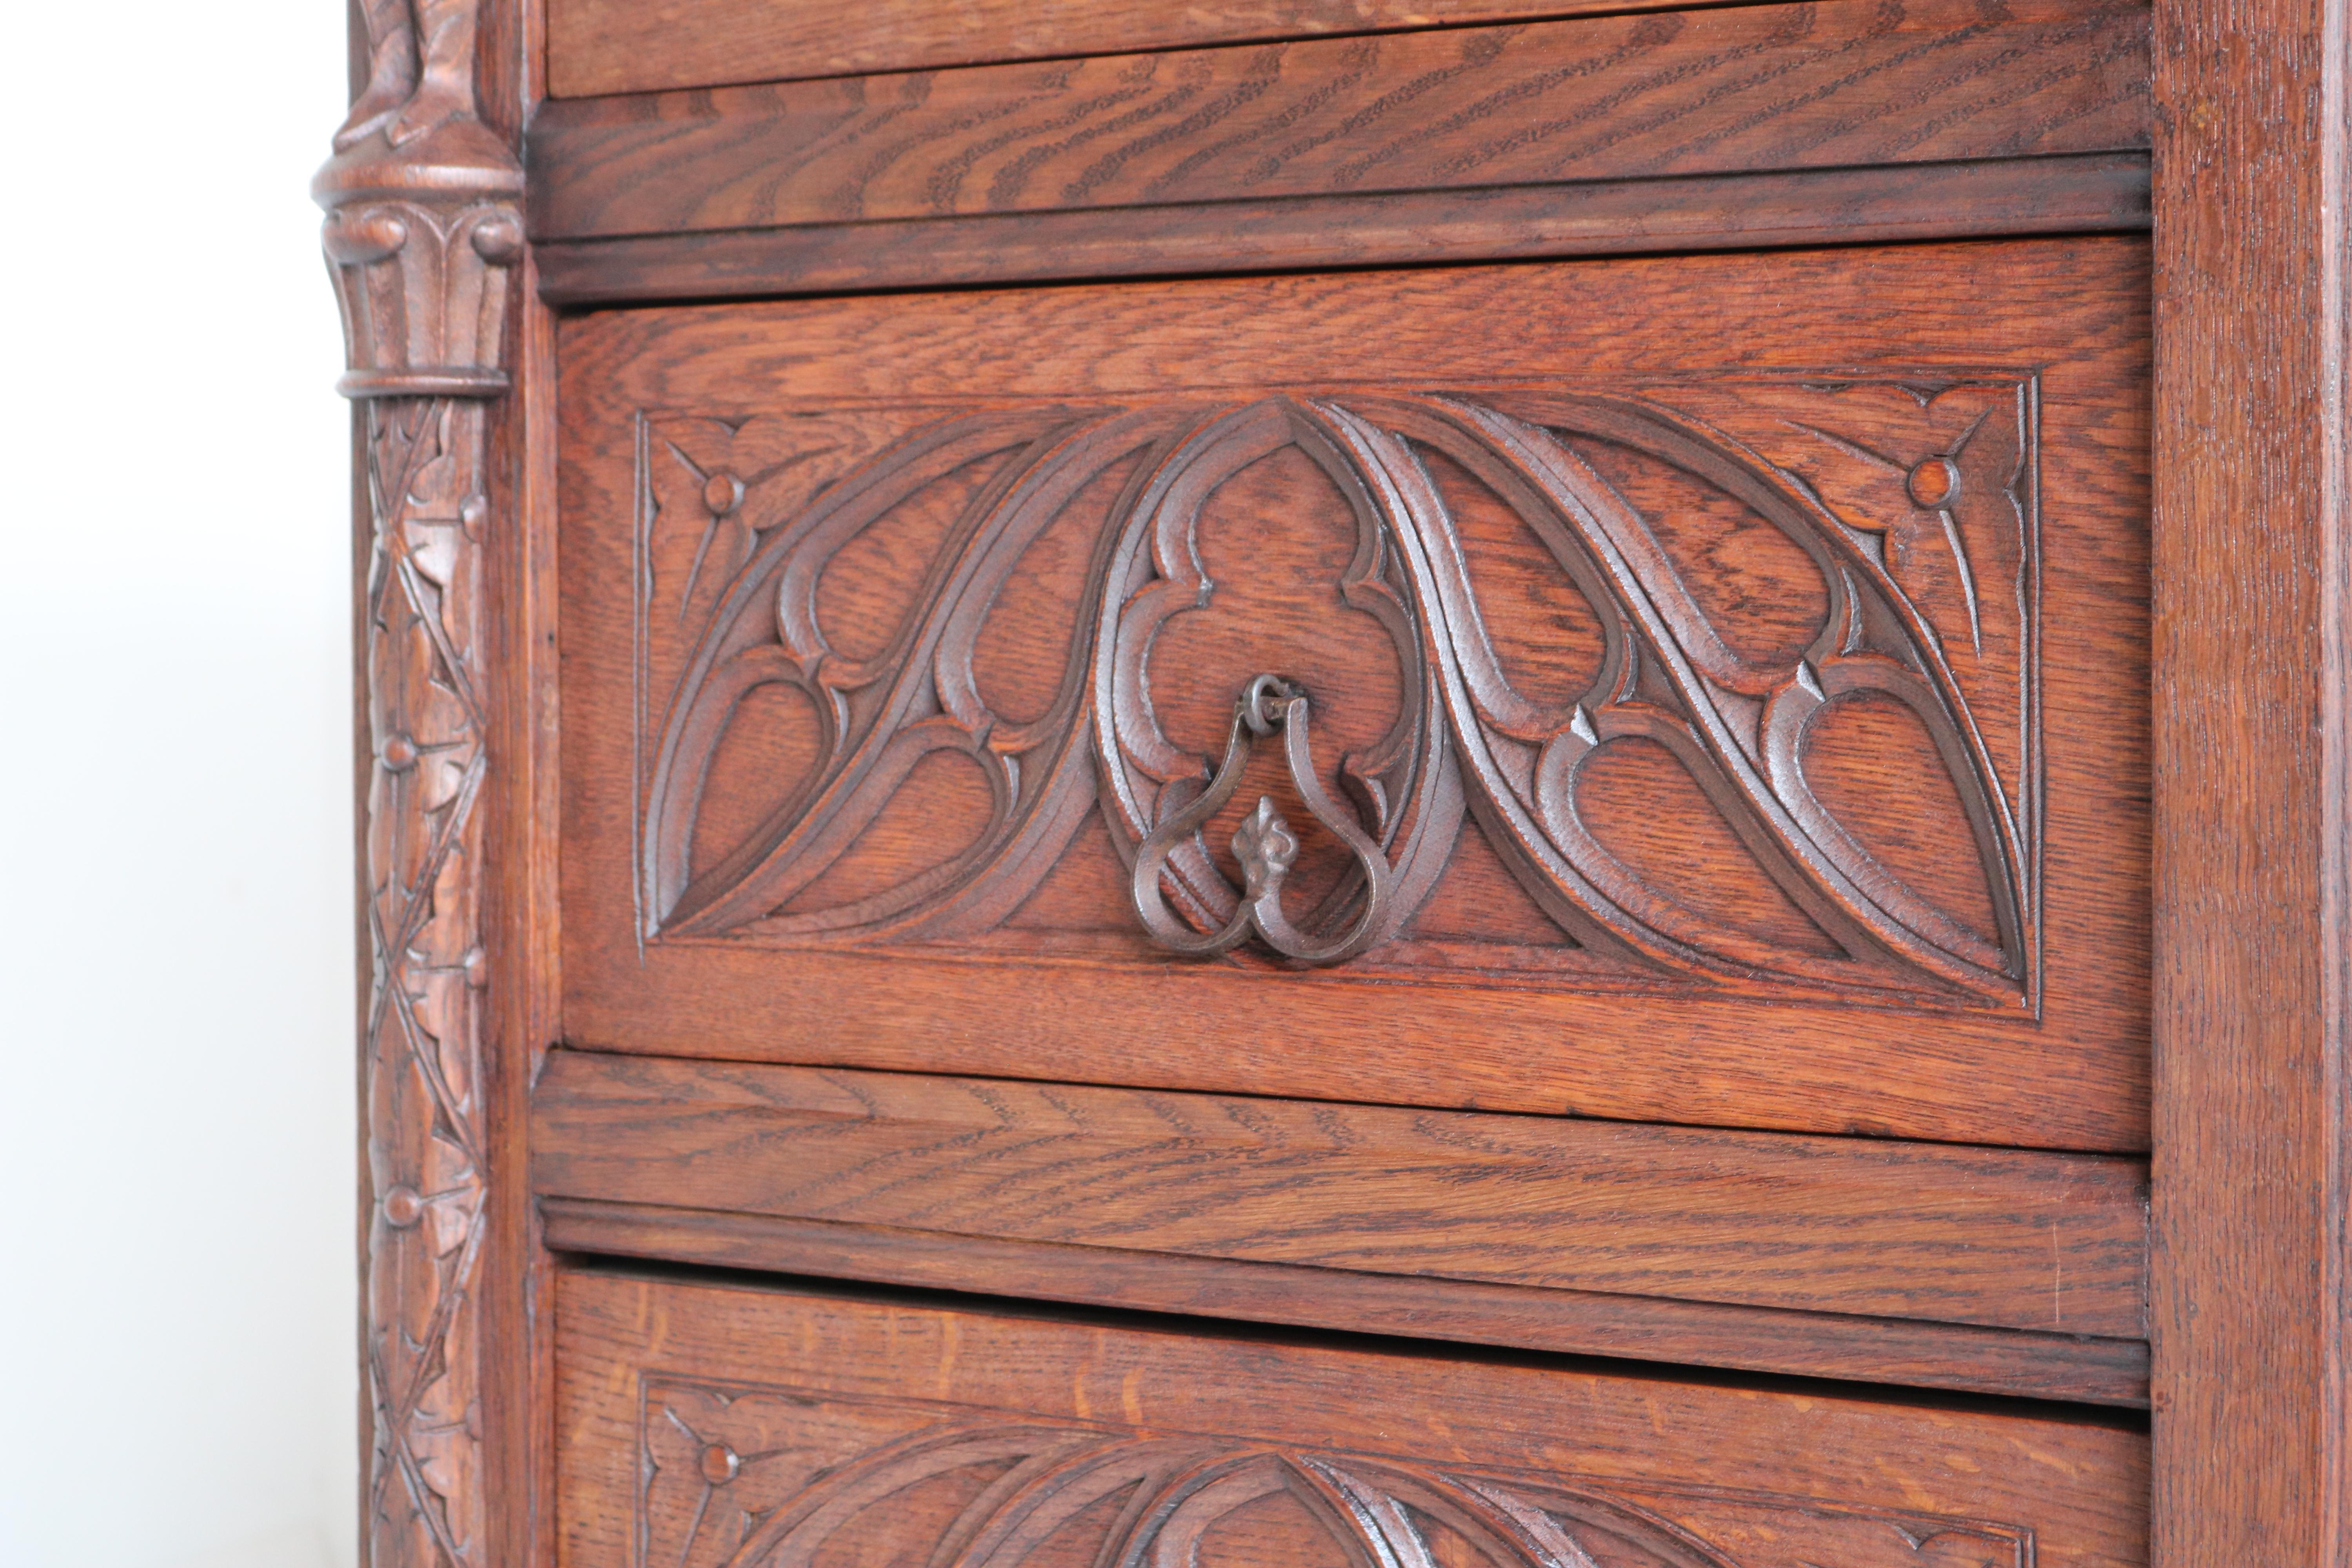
(2079, 194)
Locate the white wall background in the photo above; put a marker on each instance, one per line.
(176, 1077)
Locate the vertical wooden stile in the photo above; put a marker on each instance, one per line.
(2251, 911)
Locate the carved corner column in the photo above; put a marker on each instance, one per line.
(422, 235)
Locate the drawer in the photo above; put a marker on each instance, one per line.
(701, 1425)
(1703, 689)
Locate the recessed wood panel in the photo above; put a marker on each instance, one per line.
(713, 1427)
(1732, 672)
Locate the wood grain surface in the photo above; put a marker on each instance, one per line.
(1837, 84)
(2050, 1242)
(2089, 192)
(2252, 1264)
(704, 1424)
(612, 46)
(1908, 1353)
(2066, 316)
(2254, 788)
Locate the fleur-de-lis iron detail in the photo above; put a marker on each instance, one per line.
(1266, 849)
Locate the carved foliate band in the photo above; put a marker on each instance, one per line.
(422, 233)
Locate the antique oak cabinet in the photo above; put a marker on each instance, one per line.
(1546, 783)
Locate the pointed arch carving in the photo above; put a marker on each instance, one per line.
(1902, 610)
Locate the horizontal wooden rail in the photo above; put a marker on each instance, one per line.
(2082, 1368)
(627, 46)
(1831, 85)
(1766, 125)
(2052, 1243)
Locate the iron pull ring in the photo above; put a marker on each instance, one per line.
(1263, 842)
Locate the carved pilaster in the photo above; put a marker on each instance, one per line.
(423, 230)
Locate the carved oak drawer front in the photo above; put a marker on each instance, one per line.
(704, 1426)
(1707, 689)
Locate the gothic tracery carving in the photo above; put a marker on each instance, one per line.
(1906, 609)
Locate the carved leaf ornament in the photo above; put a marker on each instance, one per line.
(1465, 739)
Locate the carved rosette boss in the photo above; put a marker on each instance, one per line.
(423, 232)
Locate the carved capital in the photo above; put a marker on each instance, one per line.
(423, 217)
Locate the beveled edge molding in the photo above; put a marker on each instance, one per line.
(423, 232)
(2017, 1363)
(2071, 194)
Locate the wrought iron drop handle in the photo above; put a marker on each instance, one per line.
(1263, 842)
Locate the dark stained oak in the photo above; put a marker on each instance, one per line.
(2252, 531)
(1661, 1329)
(739, 884)
(703, 1425)
(2050, 1242)
(1742, 90)
(2163, 858)
(2066, 193)
(616, 46)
